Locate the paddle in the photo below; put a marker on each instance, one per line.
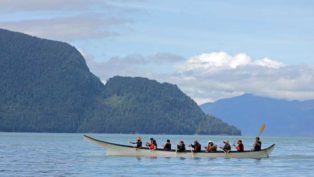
(234, 143)
(261, 130)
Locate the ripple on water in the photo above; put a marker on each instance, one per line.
(33, 154)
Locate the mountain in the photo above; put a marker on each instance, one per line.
(282, 117)
(46, 86)
(146, 106)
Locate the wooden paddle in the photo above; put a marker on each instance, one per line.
(261, 130)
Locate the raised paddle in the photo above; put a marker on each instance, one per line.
(261, 130)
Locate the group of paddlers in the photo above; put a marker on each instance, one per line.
(196, 146)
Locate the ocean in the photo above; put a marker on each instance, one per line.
(58, 154)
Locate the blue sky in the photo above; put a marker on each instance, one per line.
(281, 30)
(210, 49)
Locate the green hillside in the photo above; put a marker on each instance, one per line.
(46, 86)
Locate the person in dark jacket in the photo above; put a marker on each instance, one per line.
(257, 146)
(181, 147)
(167, 146)
(196, 147)
(226, 148)
(138, 142)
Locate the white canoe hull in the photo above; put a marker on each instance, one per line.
(124, 150)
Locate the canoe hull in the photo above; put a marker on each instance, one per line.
(123, 150)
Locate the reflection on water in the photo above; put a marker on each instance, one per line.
(35, 154)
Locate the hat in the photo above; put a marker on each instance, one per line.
(138, 138)
(209, 141)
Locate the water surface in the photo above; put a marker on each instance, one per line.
(49, 154)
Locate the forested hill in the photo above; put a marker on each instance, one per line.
(46, 86)
(146, 106)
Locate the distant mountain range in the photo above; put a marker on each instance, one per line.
(248, 112)
(46, 86)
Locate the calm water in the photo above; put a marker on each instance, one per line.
(36, 154)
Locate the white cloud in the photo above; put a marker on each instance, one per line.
(216, 61)
(268, 63)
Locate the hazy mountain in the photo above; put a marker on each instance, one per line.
(46, 86)
(248, 112)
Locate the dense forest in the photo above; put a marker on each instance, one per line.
(46, 86)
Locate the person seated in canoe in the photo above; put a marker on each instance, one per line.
(257, 146)
(138, 142)
(226, 148)
(152, 145)
(196, 147)
(167, 146)
(239, 146)
(211, 147)
(181, 146)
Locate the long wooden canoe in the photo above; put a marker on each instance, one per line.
(113, 149)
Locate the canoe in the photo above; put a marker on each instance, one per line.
(113, 149)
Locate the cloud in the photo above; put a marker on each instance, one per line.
(266, 62)
(68, 28)
(40, 5)
(69, 21)
(289, 82)
(216, 61)
(151, 66)
(165, 58)
(212, 76)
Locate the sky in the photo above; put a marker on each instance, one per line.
(211, 49)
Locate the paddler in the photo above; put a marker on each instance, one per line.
(257, 146)
(138, 142)
(226, 148)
